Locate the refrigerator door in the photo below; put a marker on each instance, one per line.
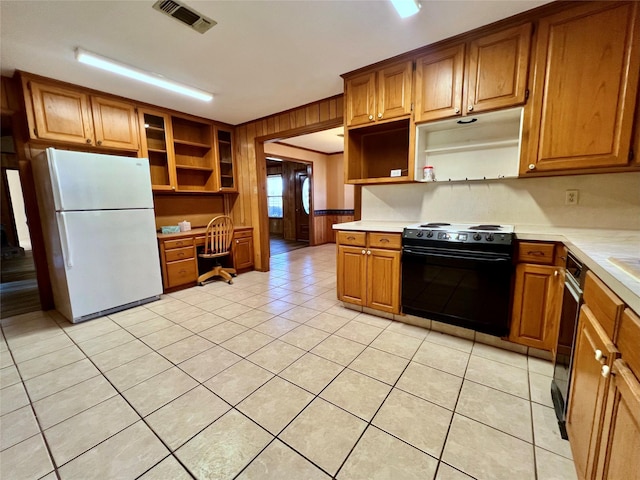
(91, 181)
(110, 259)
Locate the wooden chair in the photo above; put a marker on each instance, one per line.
(218, 239)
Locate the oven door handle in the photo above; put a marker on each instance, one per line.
(458, 255)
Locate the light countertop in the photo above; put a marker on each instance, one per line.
(594, 247)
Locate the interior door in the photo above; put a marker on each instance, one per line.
(303, 204)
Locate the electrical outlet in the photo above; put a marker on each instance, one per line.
(571, 197)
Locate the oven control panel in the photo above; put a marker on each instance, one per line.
(427, 235)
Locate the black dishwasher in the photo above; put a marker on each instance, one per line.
(571, 301)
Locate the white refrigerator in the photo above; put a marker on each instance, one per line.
(99, 230)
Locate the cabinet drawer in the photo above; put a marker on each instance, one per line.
(182, 242)
(178, 254)
(183, 271)
(242, 234)
(604, 304)
(357, 239)
(532, 252)
(385, 240)
(629, 340)
(199, 241)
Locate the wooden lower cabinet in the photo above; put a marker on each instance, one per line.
(537, 295)
(593, 350)
(179, 265)
(620, 446)
(243, 249)
(369, 276)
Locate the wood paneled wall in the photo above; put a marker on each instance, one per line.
(249, 207)
(324, 233)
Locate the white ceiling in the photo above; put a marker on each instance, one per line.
(261, 58)
(327, 141)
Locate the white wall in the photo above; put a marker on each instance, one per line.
(339, 195)
(17, 201)
(605, 201)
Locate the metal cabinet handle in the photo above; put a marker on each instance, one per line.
(379, 115)
(88, 140)
(364, 251)
(351, 238)
(370, 117)
(555, 274)
(457, 110)
(99, 142)
(606, 370)
(384, 240)
(470, 108)
(368, 252)
(537, 253)
(183, 271)
(532, 166)
(600, 356)
(181, 254)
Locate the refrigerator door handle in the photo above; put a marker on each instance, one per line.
(64, 240)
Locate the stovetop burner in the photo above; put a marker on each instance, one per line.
(434, 225)
(493, 228)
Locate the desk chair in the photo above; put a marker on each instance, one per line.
(218, 239)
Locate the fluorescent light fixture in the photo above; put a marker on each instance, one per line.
(406, 8)
(131, 72)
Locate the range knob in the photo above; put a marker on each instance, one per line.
(477, 237)
(420, 233)
(429, 234)
(489, 237)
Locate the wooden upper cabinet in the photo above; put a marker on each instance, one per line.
(379, 95)
(394, 91)
(60, 114)
(439, 77)
(492, 75)
(115, 124)
(586, 63)
(498, 65)
(360, 97)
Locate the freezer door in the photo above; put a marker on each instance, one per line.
(110, 258)
(91, 181)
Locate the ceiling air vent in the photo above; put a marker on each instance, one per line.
(186, 15)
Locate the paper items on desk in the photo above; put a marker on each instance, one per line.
(184, 226)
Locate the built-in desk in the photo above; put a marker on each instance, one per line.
(179, 255)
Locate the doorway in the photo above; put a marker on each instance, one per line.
(289, 200)
(18, 284)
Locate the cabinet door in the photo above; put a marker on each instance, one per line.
(586, 77)
(360, 99)
(157, 145)
(537, 302)
(243, 253)
(352, 276)
(226, 171)
(60, 114)
(588, 390)
(497, 74)
(620, 446)
(115, 124)
(383, 280)
(394, 91)
(439, 84)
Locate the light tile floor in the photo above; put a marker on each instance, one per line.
(268, 378)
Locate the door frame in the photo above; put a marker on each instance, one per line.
(261, 175)
(309, 166)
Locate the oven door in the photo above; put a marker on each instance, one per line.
(471, 289)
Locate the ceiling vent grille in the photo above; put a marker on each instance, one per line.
(186, 15)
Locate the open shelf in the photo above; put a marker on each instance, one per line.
(474, 146)
(204, 146)
(192, 167)
(373, 152)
